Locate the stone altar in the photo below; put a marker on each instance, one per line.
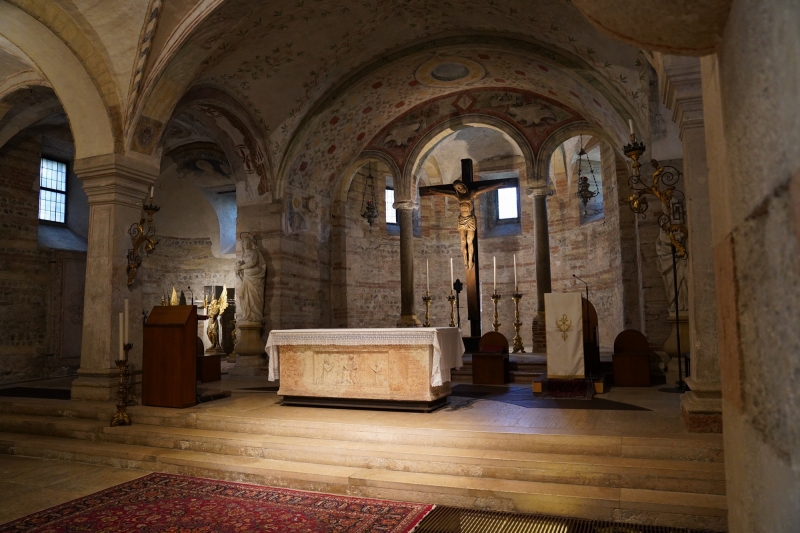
(403, 369)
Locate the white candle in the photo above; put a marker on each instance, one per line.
(494, 262)
(127, 323)
(152, 190)
(451, 275)
(630, 123)
(121, 338)
(427, 276)
(515, 273)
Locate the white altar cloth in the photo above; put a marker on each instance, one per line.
(448, 346)
(564, 331)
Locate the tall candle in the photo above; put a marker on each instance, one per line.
(121, 338)
(515, 273)
(152, 190)
(427, 276)
(127, 323)
(630, 123)
(452, 281)
(494, 262)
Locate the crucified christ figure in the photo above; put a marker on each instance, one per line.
(467, 222)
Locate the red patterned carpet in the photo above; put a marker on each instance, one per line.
(177, 504)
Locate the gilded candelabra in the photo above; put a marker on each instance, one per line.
(427, 299)
(518, 347)
(139, 237)
(496, 323)
(121, 417)
(452, 300)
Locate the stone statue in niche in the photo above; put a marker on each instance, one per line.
(251, 271)
(664, 251)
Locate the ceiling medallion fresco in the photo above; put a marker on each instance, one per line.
(533, 115)
(449, 72)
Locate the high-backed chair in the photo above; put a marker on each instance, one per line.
(631, 360)
(490, 364)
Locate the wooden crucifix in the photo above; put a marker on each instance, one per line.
(465, 190)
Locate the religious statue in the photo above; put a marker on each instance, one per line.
(251, 270)
(467, 222)
(664, 251)
(214, 310)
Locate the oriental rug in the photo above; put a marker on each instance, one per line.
(168, 503)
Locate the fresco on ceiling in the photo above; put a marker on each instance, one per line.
(533, 115)
(255, 53)
(333, 140)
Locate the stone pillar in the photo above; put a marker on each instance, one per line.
(541, 247)
(405, 212)
(682, 92)
(116, 187)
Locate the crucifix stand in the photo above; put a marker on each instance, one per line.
(466, 197)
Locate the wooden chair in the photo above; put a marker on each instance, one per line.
(631, 360)
(490, 364)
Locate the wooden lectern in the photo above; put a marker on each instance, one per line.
(168, 357)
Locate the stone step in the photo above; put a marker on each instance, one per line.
(683, 476)
(613, 446)
(675, 509)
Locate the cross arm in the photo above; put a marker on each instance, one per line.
(437, 190)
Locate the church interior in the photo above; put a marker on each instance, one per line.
(534, 264)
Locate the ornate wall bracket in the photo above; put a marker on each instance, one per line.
(141, 237)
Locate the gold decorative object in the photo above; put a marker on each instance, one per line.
(518, 347)
(173, 300)
(163, 301)
(121, 417)
(139, 237)
(564, 324)
(427, 299)
(496, 323)
(215, 309)
(452, 300)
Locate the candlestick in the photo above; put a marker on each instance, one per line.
(427, 299)
(518, 347)
(121, 335)
(515, 273)
(152, 189)
(494, 262)
(452, 300)
(496, 323)
(451, 274)
(427, 277)
(630, 123)
(121, 417)
(127, 323)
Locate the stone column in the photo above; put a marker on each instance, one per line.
(541, 248)
(682, 92)
(405, 212)
(116, 187)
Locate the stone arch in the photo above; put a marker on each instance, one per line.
(90, 121)
(407, 186)
(339, 231)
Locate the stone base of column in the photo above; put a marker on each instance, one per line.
(701, 407)
(249, 366)
(101, 385)
(539, 334)
(409, 321)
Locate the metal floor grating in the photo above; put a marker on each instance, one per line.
(455, 520)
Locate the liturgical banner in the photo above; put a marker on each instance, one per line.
(564, 319)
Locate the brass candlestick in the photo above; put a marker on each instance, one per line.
(518, 347)
(122, 418)
(452, 300)
(496, 323)
(427, 299)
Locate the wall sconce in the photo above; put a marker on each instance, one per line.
(139, 237)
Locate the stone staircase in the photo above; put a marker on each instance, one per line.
(524, 368)
(674, 482)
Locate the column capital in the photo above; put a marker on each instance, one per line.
(545, 191)
(681, 90)
(405, 204)
(118, 179)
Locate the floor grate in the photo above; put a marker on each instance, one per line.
(455, 520)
